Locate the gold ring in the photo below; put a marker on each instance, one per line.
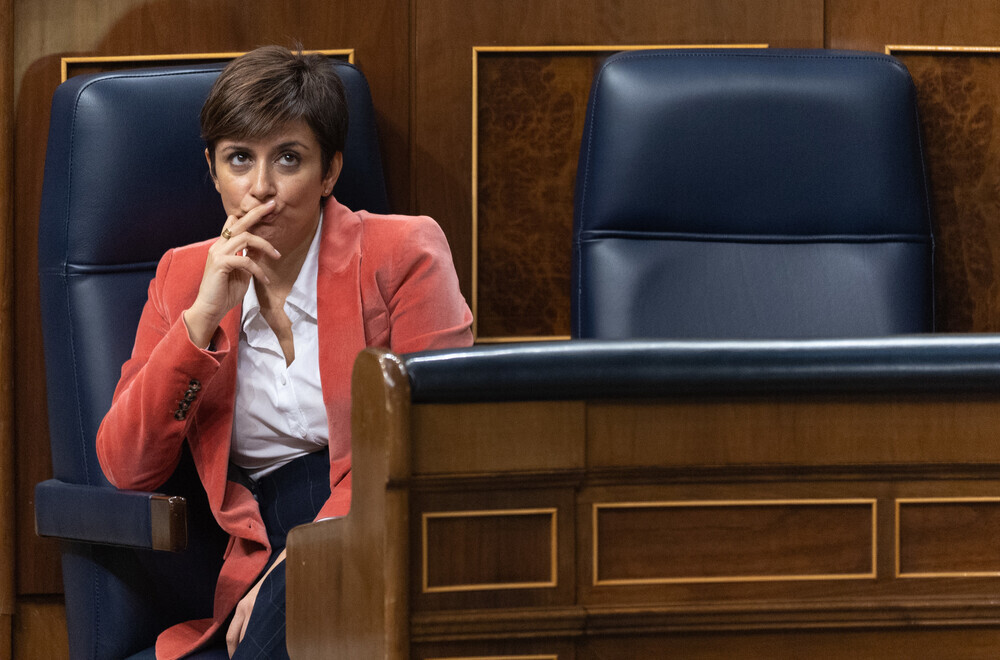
(226, 233)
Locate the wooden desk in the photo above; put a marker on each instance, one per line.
(750, 526)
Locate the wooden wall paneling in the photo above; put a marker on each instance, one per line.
(479, 538)
(814, 432)
(7, 476)
(766, 540)
(38, 567)
(871, 24)
(940, 537)
(537, 435)
(378, 31)
(531, 104)
(505, 547)
(845, 527)
(40, 629)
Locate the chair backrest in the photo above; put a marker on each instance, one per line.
(125, 180)
(751, 193)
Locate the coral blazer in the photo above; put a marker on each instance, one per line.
(385, 281)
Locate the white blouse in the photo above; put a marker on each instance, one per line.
(279, 412)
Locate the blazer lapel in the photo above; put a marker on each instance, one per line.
(339, 314)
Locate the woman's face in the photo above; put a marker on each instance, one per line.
(286, 167)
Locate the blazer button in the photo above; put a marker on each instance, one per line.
(194, 385)
(179, 415)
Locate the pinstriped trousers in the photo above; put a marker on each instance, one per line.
(291, 495)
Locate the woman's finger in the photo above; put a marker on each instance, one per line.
(260, 244)
(247, 264)
(227, 263)
(242, 245)
(237, 225)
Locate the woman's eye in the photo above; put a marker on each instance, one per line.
(239, 159)
(289, 159)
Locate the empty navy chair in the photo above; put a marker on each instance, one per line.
(751, 193)
(126, 179)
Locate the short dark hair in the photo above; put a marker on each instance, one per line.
(264, 89)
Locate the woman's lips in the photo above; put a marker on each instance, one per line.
(265, 219)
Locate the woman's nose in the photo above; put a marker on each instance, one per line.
(263, 182)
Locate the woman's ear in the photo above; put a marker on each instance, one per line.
(211, 169)
(333, 173)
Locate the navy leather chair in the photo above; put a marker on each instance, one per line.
(751, 194)
(126, 179)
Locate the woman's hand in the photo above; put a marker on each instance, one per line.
(241, 617)
(231, 263)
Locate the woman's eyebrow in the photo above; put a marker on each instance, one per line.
(240, 146)
(292, 144)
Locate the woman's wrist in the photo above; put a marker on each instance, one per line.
(200, 330)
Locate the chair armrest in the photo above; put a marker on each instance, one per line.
(101, 514)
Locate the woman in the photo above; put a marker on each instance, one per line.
(246, 342)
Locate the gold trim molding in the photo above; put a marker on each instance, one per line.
(893, 49)
(491, 513)
(732, 579)
(166, 59)
(579, 49)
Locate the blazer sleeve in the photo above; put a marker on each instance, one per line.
(425, 305)
(139, 441)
